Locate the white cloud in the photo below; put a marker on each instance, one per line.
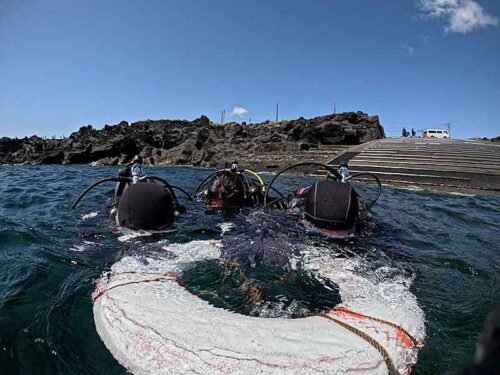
(463, 15)
(238, 111)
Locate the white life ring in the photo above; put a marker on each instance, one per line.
(153, 325)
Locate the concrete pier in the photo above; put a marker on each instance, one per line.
(273, 160)
(455, 165)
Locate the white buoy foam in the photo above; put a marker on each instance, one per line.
(158, 327)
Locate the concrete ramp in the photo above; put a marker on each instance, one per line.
(447, 163)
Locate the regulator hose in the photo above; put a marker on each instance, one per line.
(182, 191)
(113, 179)
(272, 188)
(379, 185)
(261, 182)
(330, 169)
(169, 187)
(205, 180)
(129, 179)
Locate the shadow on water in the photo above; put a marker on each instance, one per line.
(50, 257)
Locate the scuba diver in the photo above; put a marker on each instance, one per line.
(329, 206)
(141, 202)
(232, 188)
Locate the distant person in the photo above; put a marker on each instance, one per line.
(413, 133)
(404, 133)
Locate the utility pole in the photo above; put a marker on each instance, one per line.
(277, 111)
(222, 117)
(334, 107)
(449, 129)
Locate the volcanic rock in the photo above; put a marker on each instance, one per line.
(195, 143)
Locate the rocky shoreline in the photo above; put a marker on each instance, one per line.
(199, 143)
(484, 139)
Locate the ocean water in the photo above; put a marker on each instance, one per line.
(50, 256)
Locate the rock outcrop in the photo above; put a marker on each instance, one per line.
(194, 143)
(484, 139)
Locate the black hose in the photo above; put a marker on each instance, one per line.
(274, 201)
(182, 191)
(128, 179)
(178, 207)
(246, 186)
(113, 179)
(379, 190)
(266, 187)
(167, 185)
(327, 167)
(203, 183)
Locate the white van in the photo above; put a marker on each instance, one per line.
(435, 133)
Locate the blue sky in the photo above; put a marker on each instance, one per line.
(420, 63)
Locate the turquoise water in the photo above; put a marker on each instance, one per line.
(50, 257)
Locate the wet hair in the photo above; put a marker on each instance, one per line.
(226, 190)
(332, 205)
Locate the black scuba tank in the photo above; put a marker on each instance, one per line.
(332, 205)
(146, 205)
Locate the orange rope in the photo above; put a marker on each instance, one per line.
(383, 352)
(404, 337)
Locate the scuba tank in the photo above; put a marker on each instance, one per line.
(146, 205)
(330, 205)
(142, 202)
